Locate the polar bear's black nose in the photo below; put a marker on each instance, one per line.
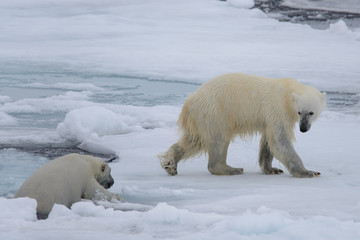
(303, 128)
(110, 183)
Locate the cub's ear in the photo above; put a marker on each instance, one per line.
(295, 97)
(323, 95)
(103, 167)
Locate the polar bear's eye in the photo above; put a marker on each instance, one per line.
(311, 113)
(103, 168)
(299, 113)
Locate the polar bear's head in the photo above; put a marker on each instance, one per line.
(309, 106)
(104, 178)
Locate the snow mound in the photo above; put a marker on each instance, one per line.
(91, 123)
(16, 209)
(340, 28)
(165, 221)
(88, 209)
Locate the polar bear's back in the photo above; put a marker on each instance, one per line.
(238, 104)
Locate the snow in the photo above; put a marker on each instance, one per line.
(112, 76)
(88, 123)
(340, 28)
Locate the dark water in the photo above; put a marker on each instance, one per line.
(343, 102)
(319, 19)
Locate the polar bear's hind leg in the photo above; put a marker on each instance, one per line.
(170, 159)
(217, 159)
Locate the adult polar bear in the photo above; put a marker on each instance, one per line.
(239, 104)
(66, 180)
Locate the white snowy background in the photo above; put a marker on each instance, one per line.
(66, 67)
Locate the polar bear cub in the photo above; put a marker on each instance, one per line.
(237, 104)
(66, 180)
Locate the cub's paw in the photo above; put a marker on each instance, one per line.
(116, 197)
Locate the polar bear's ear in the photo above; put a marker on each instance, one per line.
(103, 167)
(295, 97)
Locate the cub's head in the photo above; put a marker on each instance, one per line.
(309, 106)
(102, 174)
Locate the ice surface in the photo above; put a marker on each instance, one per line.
(66, 86)
(111, 77)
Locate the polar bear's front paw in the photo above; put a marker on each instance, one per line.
(313, 174)
(307, 174)
(170, 167)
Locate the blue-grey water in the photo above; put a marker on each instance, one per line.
(20, 152)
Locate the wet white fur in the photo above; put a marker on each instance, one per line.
(66, 180)
(242, 105)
